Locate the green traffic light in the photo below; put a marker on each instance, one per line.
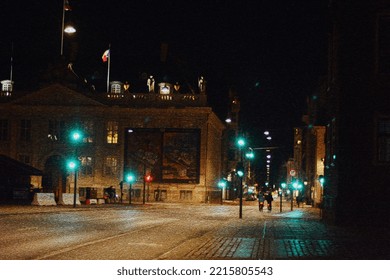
(240, 169)
(76, 136)
(241, 142)
(321, 178)
(284, 185)
(130, 178)
(72, 164)
(222, 183)
(250, 155)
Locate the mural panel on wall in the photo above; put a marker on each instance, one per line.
(170, 155)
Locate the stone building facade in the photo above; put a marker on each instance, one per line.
(174, 138)
(309, 155)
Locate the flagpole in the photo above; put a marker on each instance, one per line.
(12, 61)
(108, 67)
(62, 28)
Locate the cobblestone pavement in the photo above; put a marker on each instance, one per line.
(297, 234)
(274, 235)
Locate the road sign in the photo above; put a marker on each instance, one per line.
(293, 172)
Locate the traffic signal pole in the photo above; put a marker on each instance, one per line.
(281, 194)
(75, 188)
(241, 190)
(240, 193)
(130, 193)
(240, 169)
(144, 189)
(292, 199)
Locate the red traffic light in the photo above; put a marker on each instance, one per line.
(148, 178)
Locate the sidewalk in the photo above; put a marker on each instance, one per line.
(300, 234)
(292, 235)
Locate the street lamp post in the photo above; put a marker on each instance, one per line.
(240, 171)
(280, 204)
(73, 166)
(249, 155)
(240, 197)
(121, 188)
(144, 187)
(75, 188)
(321, 179)
(129, 193)
(130, 179)
(76, 136)
(222, 185)
(283, 185)
(68, 29)
(148, 179)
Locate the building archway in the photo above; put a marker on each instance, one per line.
(54, 178)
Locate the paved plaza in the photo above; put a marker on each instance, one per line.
(217, 233)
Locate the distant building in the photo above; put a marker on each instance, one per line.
(231, 156)
(173, 137)
(309, 155)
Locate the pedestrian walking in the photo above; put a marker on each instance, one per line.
(269, 199)
(298, 198)
(260, 198)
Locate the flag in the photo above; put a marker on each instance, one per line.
(106, 55)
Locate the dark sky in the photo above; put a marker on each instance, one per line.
(271, 51)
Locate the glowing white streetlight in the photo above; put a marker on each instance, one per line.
(69, 29)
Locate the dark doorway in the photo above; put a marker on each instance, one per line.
(54, 178)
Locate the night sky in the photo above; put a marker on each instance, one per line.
(272, 52)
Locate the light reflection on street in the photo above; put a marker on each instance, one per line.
(169, 231)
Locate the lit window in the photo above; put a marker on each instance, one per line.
(112, 132)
